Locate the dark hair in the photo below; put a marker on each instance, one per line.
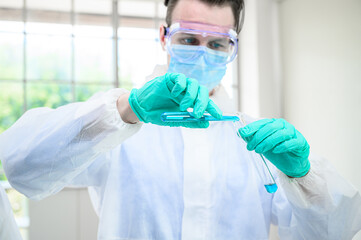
(236, 5)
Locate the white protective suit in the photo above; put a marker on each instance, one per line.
(8, 227)
(149, 182)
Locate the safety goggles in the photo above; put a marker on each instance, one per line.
(217, 40)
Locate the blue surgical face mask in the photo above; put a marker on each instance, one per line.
(194, 62)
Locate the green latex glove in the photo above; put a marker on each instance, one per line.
(280, 143)
(172, 92)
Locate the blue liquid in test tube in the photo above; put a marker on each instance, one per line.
(188, 117)
(261, 166)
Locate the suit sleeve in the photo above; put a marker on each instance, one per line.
(46, 149)
(321, 205)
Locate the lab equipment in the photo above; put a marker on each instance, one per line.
(189, 117)
(262, 169)
(221, 41)
(169, 93)
(280, 143)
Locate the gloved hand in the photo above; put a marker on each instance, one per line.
(172, 92)
(280, 143)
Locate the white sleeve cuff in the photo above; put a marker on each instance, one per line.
(103, 121)
(318, 187)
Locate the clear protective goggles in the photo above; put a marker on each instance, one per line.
(217, 40)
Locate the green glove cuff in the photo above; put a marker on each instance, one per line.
(298, 174)
(133, 102)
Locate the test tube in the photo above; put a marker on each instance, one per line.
(188, 117)
(260, 165)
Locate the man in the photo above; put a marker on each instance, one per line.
(152, 181)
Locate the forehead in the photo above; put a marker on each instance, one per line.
(197, 11)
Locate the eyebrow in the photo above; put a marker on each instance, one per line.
(218, 39)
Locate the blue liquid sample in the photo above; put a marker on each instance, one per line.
(188, 117)
(262, 169)
(271, 188)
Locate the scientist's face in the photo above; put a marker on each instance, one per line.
(200, 12)
(197, 11)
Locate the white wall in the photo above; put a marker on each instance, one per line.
(259, 59)
(321, 46)
(321, 56)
